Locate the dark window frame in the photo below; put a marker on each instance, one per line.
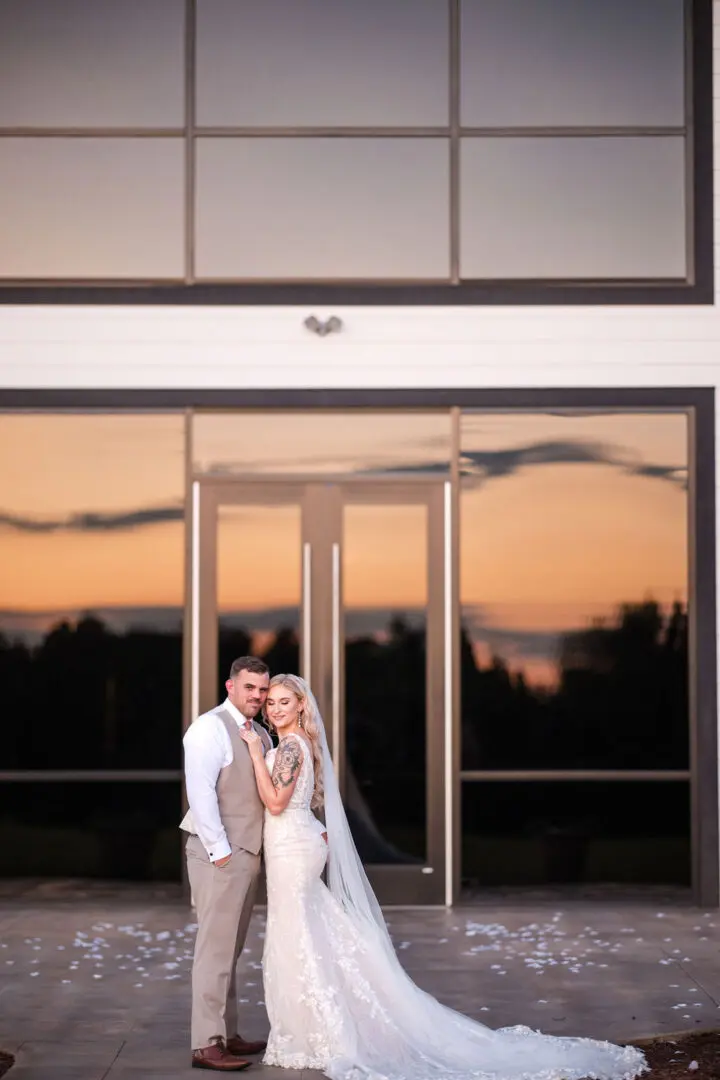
(701, 400)
(698, 289)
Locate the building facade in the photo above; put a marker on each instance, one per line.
(394, 363)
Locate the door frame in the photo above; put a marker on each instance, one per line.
(321, 631)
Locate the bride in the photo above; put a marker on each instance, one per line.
(336, 995)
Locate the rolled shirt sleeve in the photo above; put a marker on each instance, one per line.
(206, 753)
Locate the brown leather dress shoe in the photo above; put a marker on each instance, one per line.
(217, 1056)
(237, 1045)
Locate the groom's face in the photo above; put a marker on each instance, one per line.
(248, 691)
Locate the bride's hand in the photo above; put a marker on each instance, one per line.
(254, 742)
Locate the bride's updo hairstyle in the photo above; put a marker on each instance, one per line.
(307, 722)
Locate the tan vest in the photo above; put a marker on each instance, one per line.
(241, 810)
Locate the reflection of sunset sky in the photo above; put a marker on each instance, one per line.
(546, 547)
(319, 442)
(59, 466)
(550, 548)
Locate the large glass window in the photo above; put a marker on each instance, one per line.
(92, 580)
(427, 143)
(322, 208)
(566, 833)
(91, 208)
(80, 64)
(358, 442)
(286, 63)
(327, 544)
(91, 575)
(585, 207)
(91, 829)
(385, 595)
(572, 63)
(259, 594)
(574, 610)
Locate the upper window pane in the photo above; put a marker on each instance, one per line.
(92, 543)
(86, 63)
(574, 590)
(588, 208)
(358, 442)
(553, 63)
(322, 208)
(312, 63)
(91, 208)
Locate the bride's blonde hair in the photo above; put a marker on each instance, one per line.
(309, 726)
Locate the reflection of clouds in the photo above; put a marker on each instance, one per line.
(94, 522)
(490, 464)
(675, 474)
(320, 442)
(476, 468)
(352, 464)
(479, 466)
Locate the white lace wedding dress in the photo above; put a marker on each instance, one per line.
(338, 999)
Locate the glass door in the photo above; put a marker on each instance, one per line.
(344, 583)
(248, 587)
(388, 682)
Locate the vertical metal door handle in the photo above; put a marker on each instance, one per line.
(448, 636)
(336, 657)
(195, 603)
(307, 613)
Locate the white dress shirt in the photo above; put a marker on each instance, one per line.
(208, 750)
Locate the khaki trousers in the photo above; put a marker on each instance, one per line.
(224, 901)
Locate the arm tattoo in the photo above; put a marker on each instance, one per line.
(288, 760)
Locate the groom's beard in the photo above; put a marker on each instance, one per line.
(248, 709)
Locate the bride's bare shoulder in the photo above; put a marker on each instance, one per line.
(289, 742)
(288, 760)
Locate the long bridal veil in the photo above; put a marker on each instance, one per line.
(420, 1039)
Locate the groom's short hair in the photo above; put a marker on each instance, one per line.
(248, 663)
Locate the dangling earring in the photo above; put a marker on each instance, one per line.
(300, 720)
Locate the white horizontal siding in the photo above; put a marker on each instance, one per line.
(269, 347)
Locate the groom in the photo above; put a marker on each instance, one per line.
(225, 823)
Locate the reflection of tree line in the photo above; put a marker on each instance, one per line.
(621, 700)
(89, 697)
